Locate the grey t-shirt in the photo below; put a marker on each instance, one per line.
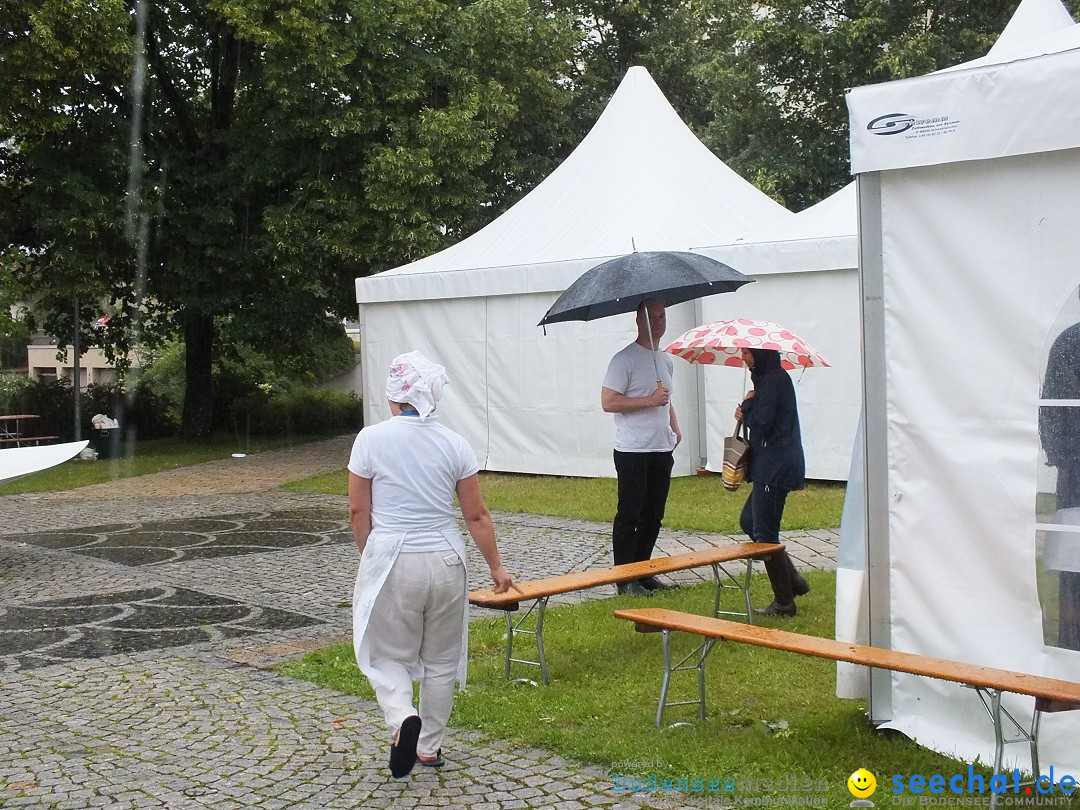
(632, 373)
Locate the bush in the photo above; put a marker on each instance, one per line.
(14, 336)
(12, 388)
(139, 410)
(331, 354)
(252, 392)
(161, 379)
(54, 401)
(297, 413)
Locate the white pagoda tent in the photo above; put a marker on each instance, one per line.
(530, 402)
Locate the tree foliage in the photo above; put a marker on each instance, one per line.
(778, 114)
(282, 149)
(224, 169)
(667, 37)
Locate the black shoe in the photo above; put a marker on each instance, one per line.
(775, 609)
(799, 586)
(403, 752)
(632, 588)
(653, 584)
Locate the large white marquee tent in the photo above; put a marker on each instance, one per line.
(969, 198)
(530, 402)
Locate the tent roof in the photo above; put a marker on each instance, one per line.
(639, 180)
(1038, 27)
(836, 215)
(1032, 20)
(821, 237)
(1021, 98)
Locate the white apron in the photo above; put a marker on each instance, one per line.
(380, 553)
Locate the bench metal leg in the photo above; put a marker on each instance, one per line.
(991, 700)
(741, 583)
(701, 652)
(517, 628)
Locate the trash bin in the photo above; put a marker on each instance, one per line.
(108, 442)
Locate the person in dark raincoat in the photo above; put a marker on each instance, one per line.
(776, 467)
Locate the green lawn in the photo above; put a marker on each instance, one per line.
(771, 714)
(148, 456)
(696, 503)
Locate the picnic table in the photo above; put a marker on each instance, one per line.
(15, 431)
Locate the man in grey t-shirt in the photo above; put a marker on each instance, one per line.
(637, 390)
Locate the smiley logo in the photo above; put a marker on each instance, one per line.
(862, 783)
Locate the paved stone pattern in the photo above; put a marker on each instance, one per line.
(165, 541)
(228, 736)
(206, 724)
(93, 626)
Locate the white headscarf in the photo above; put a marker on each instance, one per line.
(416, 380)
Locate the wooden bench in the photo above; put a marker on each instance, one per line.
(28, 441)
(1051, 694)
(540, 590)
(37, 441)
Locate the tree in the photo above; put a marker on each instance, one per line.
(279, 150)
(667, 37)
(777, 107)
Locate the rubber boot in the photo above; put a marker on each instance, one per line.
(799, 585)
(779, 569)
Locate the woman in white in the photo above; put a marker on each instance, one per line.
(409, 616)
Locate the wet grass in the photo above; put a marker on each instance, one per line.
(696, 503)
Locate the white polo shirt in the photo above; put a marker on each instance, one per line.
(414, 467)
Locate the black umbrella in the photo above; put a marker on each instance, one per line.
(620, 284)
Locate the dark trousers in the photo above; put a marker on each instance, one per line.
(644, 481)
(760, 521)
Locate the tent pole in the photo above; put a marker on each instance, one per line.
(876, 447)
(366, 401)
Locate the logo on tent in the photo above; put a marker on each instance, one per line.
(891, 124)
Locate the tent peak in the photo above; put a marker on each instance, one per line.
(639, 180)
(1032, 20)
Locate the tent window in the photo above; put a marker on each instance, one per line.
(1058, 501)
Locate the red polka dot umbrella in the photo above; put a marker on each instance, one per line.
(721, 343)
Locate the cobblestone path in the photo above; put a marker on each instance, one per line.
(139, 619)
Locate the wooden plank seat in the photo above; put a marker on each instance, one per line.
(28, 441)
(1051, 694)
(36, 441)
(540, 590)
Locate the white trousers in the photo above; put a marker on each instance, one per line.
(417, 617)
